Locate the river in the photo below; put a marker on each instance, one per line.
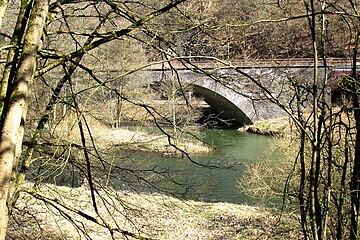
(189, 180)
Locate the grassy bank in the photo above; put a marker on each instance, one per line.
(129, 138)
(152, 215)
(144, 141)
(274, 126)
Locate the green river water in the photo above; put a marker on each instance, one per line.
(186, 179)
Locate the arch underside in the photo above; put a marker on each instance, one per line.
(225, 110)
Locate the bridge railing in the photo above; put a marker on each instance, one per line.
(344, 70)
(253, 63)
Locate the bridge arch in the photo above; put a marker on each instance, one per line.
(230, 114)
(229, 105)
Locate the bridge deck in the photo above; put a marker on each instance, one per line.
(256, 63)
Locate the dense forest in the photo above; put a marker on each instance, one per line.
(75, 71)
(242, 30)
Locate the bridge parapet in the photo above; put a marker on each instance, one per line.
(235, 97)
(253, 63)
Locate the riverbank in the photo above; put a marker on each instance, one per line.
(130, 138)
(271, 127)
(151, 215)
(141, 140)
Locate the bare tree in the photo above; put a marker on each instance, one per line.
(16, 107)
(21, 69)
(69, 54)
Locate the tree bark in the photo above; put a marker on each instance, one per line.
(13, 54)
(3, 7)
(16, 106)
(355, 178)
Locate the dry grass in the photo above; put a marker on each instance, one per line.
(129, 139)
(152, 215)
(274, 126)
(143, 141)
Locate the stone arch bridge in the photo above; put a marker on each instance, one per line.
(235, 98)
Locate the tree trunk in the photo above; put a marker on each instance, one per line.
(13, 54)
(16, 106)
(355, 178)
(3, 7)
